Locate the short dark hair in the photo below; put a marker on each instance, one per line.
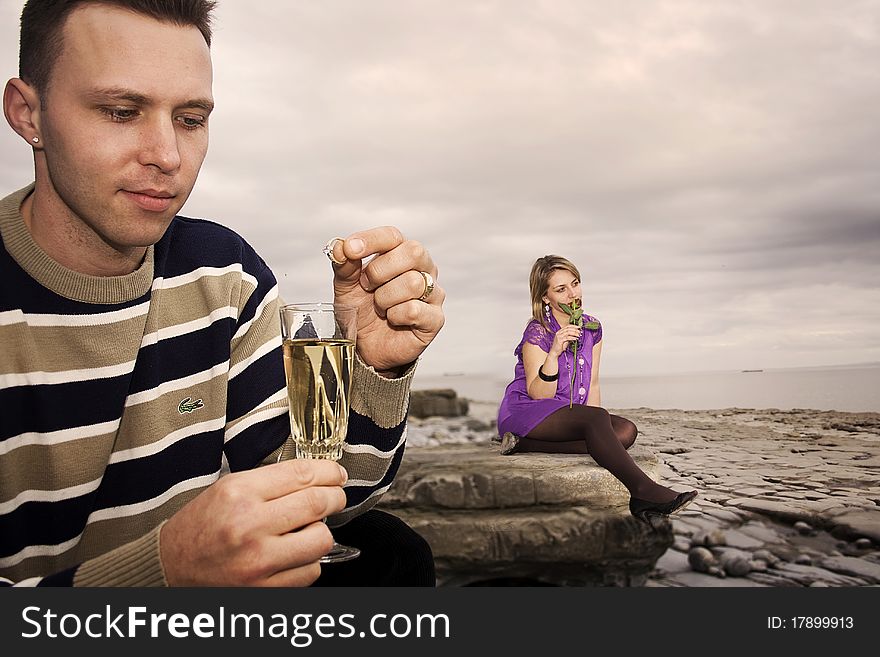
(42, 25)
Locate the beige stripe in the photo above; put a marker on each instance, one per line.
(150, 422)
(364, 468)
(59, 348)
(273, 343)
(269, 300)
(265, 328)
(77, 463)
(112, 532)
(196, 300)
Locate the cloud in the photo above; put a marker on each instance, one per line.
(709, 166)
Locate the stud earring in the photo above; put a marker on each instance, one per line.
(36, 140)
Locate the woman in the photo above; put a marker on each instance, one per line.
(553, 403)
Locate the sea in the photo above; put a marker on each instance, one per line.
(853, 388)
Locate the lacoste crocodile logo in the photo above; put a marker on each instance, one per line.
(188, 406)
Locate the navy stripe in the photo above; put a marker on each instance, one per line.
(183, 355)
(249, 311)
(254, 384)
(44, 523)
(63, 578)
(128, 482)
(355, 495)
(47, 408)
(362, 431)
(131, 482)
(22, 292)
(192, 243)
(251, 446)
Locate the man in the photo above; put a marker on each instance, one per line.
(141, 351)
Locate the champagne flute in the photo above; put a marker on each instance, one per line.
(318, 343)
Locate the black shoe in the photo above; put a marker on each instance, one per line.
(642, 509)
(509, 443)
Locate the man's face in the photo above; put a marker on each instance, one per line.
(125, 123)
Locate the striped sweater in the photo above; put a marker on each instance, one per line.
(122, 398)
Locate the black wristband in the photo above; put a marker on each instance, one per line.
(547, 377)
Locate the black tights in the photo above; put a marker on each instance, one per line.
(593, 430)
(625, 430)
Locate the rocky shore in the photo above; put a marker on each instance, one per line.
(787, 497)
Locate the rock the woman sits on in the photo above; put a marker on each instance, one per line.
(554, 402)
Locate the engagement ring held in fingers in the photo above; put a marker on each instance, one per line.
(328, 250)
(429, 285)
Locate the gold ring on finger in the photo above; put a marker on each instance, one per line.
(429, 285)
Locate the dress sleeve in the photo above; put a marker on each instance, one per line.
(534, 334)
(597, 333)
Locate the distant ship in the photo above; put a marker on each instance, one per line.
(753, 370)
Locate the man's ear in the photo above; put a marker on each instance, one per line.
(21, 106)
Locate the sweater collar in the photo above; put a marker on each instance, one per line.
(56, 277)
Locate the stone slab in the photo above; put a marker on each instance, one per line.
(551, 518)
(858, 524)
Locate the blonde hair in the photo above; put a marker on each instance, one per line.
(539, 282)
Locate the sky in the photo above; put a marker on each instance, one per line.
(711, 168)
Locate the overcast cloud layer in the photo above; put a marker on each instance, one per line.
(711, 167)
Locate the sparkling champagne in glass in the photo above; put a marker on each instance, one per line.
(319, 343)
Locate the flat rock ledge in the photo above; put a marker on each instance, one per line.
(525, 519)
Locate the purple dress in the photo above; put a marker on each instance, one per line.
(519, 413)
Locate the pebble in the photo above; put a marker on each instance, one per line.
(780, 529)
(766, 556)
(681, 545)
(701, 559)
(709, 538)
(735, 565)
(803, 528)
